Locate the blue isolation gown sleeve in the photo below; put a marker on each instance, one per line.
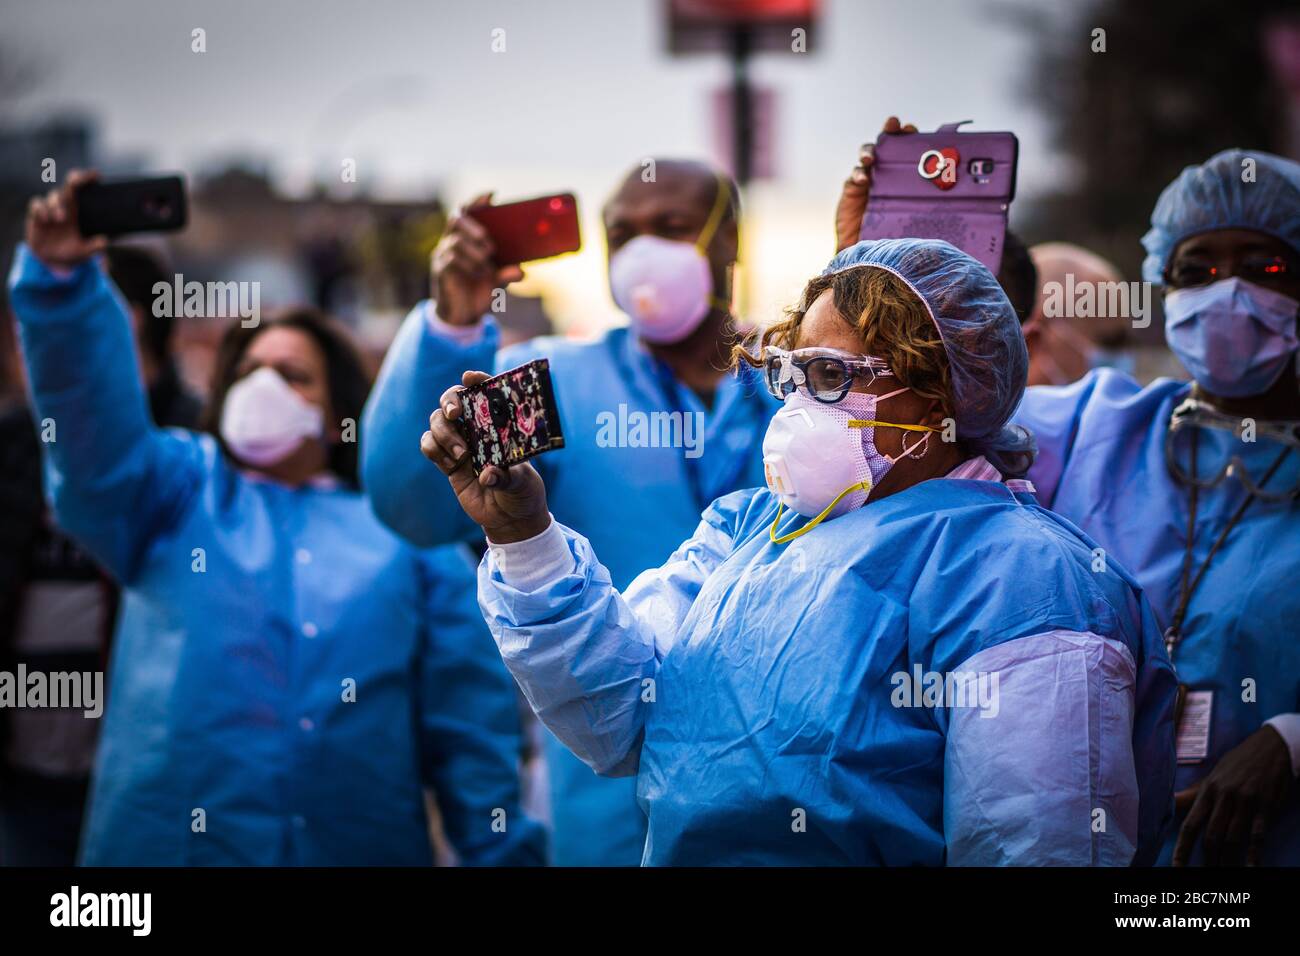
(406, 490)
(587, 656)
(1042, 773)
(114, 479)
(1054, 413)
(469, 723)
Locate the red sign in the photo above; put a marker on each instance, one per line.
(699, 26)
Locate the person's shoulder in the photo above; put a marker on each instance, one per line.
(737, 512)
(1120, 388)
(561, 350)
(1104, 392)
(202, 445)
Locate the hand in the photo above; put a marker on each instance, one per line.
(51, 230)
(464, 275)
(857, 190)
(508, 503)
(1233, 807)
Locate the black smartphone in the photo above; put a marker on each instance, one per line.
(511, 417)
(122, 206)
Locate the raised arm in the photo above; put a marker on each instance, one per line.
(114, 479)
(581, 652)
(585, 655)
(407, 493)
(441, 338)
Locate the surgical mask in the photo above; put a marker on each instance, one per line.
(821, 459)
(1234, 337)
(666, 286)
(263, 419)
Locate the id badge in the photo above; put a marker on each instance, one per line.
(1193, 744)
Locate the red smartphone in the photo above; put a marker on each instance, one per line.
(531, 229)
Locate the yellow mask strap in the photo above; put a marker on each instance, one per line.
(715, 217)
(872, 423)
(706, 235)
(856, 486)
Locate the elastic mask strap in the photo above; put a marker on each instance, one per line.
(857, 486)
(706, 236)
(715, 218)
(872, 423)
(906, 452)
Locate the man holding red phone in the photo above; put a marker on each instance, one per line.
(672, 244)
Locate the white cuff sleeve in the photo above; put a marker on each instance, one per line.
(1288, 726)
(534, 562)
(460, 334)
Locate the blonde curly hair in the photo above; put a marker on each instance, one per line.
(890, 319)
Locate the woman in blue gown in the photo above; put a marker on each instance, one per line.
(892, 654)
(288, 677)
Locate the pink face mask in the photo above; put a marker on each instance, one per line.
(664, 285)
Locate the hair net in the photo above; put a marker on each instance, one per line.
(1214, 196)
(987, 358)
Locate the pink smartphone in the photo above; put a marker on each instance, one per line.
(945, 185)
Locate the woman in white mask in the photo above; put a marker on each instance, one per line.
(1196, 487)
(288, 676)
(891, 654)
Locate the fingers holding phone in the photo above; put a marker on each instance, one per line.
(508, 503)
(443, 443)
(465, 272)
(51, 230)
(856, 191)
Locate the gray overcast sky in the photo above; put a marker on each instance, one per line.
(413, 92)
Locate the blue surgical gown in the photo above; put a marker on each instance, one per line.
(754, 687)
(636, 500)
(288, 676)
(1101, 464)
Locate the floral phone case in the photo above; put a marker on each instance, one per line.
(511, 417)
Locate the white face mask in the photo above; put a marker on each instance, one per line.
(264, 421)
(664, 285)
(821, 459)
